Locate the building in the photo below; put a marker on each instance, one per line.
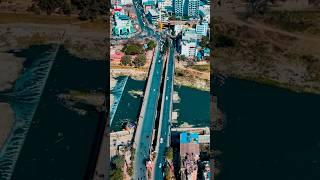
(152, 16)
(126, 2)
(202, 28)
(188, 8)
(189, 155)
(193, 8)
(189, 43)
(204, 12)
(122, 25)
(148, 5)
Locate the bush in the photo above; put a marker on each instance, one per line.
(151, 44)
(140, 60)
(125, 60)
(118, 162)
(169, 153)
(116, 174)
(130, 171)
(133, 49)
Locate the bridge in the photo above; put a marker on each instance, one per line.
(163, 137)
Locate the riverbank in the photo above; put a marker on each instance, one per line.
(10, 68)
(6, 122)
(83, 39)
(182, 78)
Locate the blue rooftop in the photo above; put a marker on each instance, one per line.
(186, 138)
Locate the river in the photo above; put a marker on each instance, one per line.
(270, 133)
(60, 142)
(192, 108)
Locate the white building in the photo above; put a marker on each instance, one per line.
(205, 12)
(202, 28)
(189, 43)
(126, 2)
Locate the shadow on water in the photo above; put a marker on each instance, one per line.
(271, 133)
(24, 99)
(59, 142)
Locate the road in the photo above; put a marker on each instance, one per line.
(165, 118)
(143, 136)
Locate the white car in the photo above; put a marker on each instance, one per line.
(161, 140)
(166, 97)
(160, 165)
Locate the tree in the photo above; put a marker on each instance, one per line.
(169, 153)
(133, 49)
(116, 174)
(182, 58)
(118, 162)
(66, 8)
(204, 41)
(151, 44)
(130, 171)
(140, 60)
(167, 173)
(125, 60)
(257, 6)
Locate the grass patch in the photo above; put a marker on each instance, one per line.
(205, 68)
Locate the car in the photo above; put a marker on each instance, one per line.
(160, 165)
(166, 97)
(161, 140)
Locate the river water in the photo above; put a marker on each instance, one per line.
(60, 142)
(270, 133)
(193, 107)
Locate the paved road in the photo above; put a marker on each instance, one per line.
(148, 112)
(165, 117)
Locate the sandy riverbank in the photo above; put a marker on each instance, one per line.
(6, 122)
(10, 68)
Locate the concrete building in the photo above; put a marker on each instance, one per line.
(126, 2)
(189, 42)
(152, 16)
(193, 8)
(122, 25)
(186, 8)
(189, 155)
(204, 12)
(202, 28)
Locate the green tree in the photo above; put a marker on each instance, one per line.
(151, 44)
(116, 174)
(167, 173)
(130, 171)
(169, 153)
(67, 8)
(204, 41)
(125, 60)
(140, 60)
(118, 162)
(133, 49)
(182, 58)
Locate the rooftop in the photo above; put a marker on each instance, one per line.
(186, 138)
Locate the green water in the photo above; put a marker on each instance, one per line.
(193, 107)
(60, 142)
(270, 133)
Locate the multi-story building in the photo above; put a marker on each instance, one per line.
(152, 16)
(204, 12)
(193, 8)
(189, 42)
(189, 155)
(178, 7)
(122, 25)
(186, 7)
(202, 28)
